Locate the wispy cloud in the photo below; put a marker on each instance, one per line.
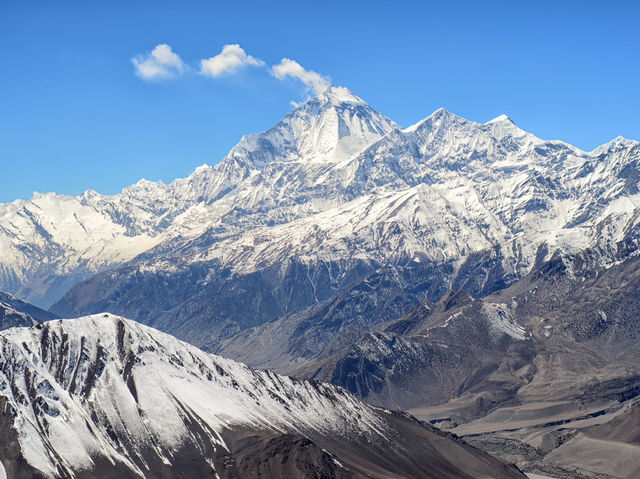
(291, 68)
(229, 60)
(161, 63)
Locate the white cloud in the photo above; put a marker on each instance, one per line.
(229, 60)
(161, 63)
(291, 68)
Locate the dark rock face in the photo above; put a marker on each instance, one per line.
(552, 358)
(280, 457)
(324, 306)
(10, 318)
(203, 305)
(476, 337)
(411, 363)
(327, 327)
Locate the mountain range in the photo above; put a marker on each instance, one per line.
(336, 201)
(472, 273)
(334, 179)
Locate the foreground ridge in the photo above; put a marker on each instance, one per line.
(102, 396)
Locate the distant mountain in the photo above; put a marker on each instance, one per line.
(15, 312)
(10, 318)
(336, 194)
(54, 241)
(104, 397)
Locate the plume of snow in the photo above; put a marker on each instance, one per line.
(229, 60)
(291, 68)
(161, 63)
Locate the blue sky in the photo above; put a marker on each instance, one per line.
(74, 115)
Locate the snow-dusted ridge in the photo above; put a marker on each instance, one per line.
(105, 386)
(10, 317)
(105, 397)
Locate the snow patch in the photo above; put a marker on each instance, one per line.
(501, 319)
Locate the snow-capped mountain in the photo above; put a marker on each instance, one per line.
(331, 127)
(53, 241)
(102, 396)
(336, 192)
(333, 193)
(299, 250)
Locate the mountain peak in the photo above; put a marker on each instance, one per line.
(617, 142)
(334, 125)
(503, 126)
(337, 95)
(438, 115)
(501, 119)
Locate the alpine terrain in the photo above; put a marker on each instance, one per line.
(476, 275)
(15, 312)
(104, 397)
